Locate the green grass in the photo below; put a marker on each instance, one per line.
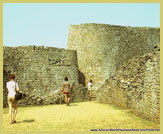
(77, 117)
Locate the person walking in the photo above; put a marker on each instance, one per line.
(12, 87)
(66, 91)
(90, 89)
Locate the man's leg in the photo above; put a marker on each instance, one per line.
(65, 98)
(90, 95)
(68, 95)
(15, 111)
(10, 110)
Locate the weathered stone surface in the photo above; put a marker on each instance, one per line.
(39, 71)
(99, 52)
(79, 93)
(103, 48)
(136, 86)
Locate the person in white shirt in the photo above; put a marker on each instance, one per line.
(90, 89)
(12, 87)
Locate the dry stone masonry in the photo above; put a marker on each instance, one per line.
(103, 48)
(40, 72)
(135, 86)
(123, 62)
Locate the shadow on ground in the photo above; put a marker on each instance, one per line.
(73, 104)
(26, 121)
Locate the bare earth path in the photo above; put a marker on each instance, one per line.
(77, 117)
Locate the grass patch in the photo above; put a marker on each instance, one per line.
(77, 117)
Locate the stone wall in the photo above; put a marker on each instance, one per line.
(39, 71)
(119, 58)
(135, 86)
(102, 48)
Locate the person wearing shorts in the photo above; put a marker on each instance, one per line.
(90, 89)
(66, 91)
(12, 87)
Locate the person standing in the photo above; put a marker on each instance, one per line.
(66, 91)
(12, 87)
(90, 89)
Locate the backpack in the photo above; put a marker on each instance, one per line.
(18, 96)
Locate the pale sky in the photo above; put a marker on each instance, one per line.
(48, 24)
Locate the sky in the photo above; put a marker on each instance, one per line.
(43, 24)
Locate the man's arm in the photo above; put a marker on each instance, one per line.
(17, 87)
(62, 88)
(70, 86)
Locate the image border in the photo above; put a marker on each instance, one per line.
(71, 1)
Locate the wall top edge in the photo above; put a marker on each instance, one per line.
(40, 47)
(109, 25)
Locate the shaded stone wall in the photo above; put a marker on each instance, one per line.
(39, 71)
(135, 86)
(102, 49)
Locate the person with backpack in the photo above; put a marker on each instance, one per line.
(12, 87)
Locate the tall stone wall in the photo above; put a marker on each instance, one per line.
(102, 49)
(135, 86)
(39, 71)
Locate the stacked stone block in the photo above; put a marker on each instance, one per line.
(120, 60)
(39, 71)
(135, 86)
(102, 49)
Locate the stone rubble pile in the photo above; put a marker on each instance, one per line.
(78, 93)
(135, 86)
(53, 97)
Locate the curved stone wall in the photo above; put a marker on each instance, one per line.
(102, 49)
(135, 86)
